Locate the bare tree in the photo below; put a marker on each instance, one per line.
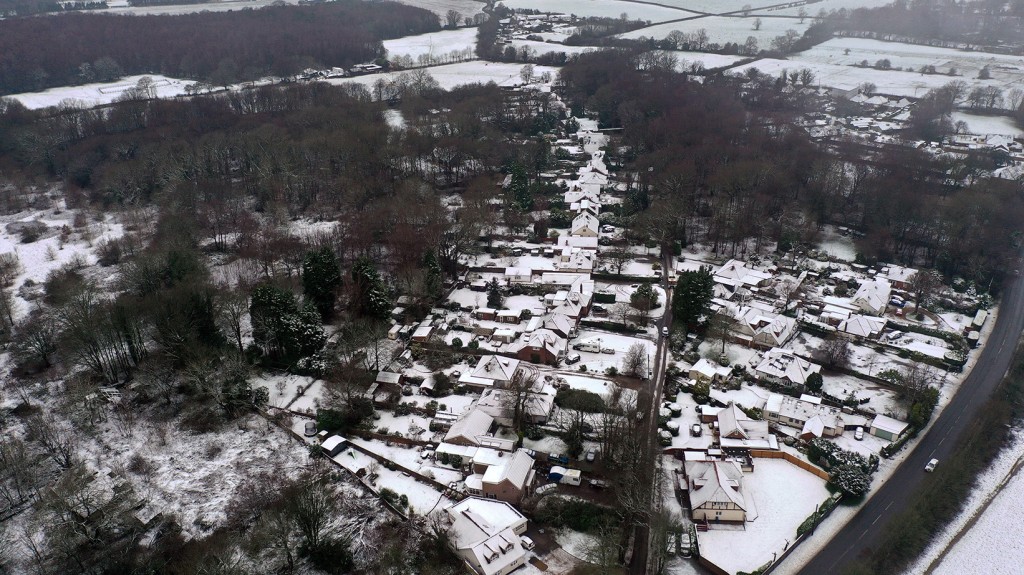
(452, 18)
(518, 396)
(312, 503)
(757, 23)
(59, 441)
(924, 283)
(836, 352)
(18, 477)
(634, 364)
(234, 307)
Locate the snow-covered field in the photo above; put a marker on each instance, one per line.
(707, 59)
(99, 93)
(439, 7)
(837, 245)
(600, 8)
(452, 75)
(989, 124)
(433, 44)
(723, 29)
(539, 48)
(982, 538)
(773, 489)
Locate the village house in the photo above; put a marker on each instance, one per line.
(560, 324)
(469, 428)
(541, 347)
(508, 478)
(485, 534)
(755, 325)
(809, 416)
(735, 276)
(715, 489)
(491, 371)
(736, 430)
(710, 372)
(784, 367)
(585, 224)
(898, 276)
(859, 326)
(537, 407)
(873, 296)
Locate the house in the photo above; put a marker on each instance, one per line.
(887, 428)
(859, 326)
(578, 260)
(784, 367)
(541, 347)
(872, 296)
(509, 316)
(756, 325)
(507, 479)
(469, 427)
(585, 224)
(736, 274)
(898, 276)
(490, 371)
(705, 370)
(809, 416)
(575, 306)
(715, 489)
(388, 378)
(578, 242)
(537, 406)
(485, 535)
(738, 431)
(560, 324)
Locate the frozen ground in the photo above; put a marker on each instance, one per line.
(434, 44)
(452, 75)
(709, 61)
(539, 48)
(723, 29)
(88, 95)
(983, 538)
(439, 7)
(837, 245)
(989, 124)
(783, 495)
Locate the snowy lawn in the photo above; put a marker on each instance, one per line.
(783, 495)
(989, 124)
(724, 29)
(600, 8)
(837, 245)
(89, 95)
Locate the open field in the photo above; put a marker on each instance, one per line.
(452, 75)
(601, 8)
(724, 29)
(433, 44)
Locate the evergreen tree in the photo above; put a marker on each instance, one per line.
(691, 304)
(285, 330)
(433, 276)
(321, 277)
(495, 298)
(371, 295)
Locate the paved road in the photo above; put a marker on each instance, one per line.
(863, 531)
(641, 560)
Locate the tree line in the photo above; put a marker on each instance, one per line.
(218, 47)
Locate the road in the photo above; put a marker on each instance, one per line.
(863, 531)
(639, 564)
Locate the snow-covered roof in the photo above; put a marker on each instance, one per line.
(885, 423)
(496, 368)
(515, 469)
(735, 272)
(388, 377)
(469, 426)
(709, 370)
(873, 296)
(714, 482)
(782, 364)
(332, 442)
(584, 223)
(483, 531)
(898, 274)
(862, 325)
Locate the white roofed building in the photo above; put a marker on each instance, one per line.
(491, 371)
(469, 427)
(784, 367)
(872, 296)
(715, 489)
(585, 224)
(485, 534)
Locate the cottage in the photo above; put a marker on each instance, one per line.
(705, 370)
(490, 371)
(541, 347)
(537, 406)
(469, 428)
(859, 326)
(873, 296)
(485, 534)
(735, 273)
(585, 224)
(509, 480)
(809, 416)
(784, 367)
(715, 489)
(898, 276)
(739, 431)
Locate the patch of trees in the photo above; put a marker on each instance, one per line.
(218, 47)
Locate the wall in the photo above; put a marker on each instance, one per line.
(764, 454)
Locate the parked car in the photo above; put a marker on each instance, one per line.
(858, 433)
(931, 465)
(696, 430)
(528, 543)
(572, 358)
(310, 429)
(664, 331)
(559, 458)
(670, 544)
(599, 483)
(531, 453)
(591, 455)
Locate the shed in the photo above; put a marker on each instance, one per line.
(333, 445)
(887, 428)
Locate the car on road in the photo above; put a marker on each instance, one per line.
(664, 331)
(858, 433)
(931, 465)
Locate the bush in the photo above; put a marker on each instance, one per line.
(332, 556)
(457, 343)
(575, 514)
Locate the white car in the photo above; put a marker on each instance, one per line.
(858, 433)
(931, 465)
(528, 543)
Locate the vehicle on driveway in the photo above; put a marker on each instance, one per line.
(858, 433)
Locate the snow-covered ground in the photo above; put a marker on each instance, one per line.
(434, 44)
(600, 8)
(983, 537)
(723, 29)
(439, 7)
(989, 124)
(708, 60)
(452, 75)
(837, 245)
(88, 95)
(783, 496)
(539, 48)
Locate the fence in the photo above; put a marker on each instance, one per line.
(810, 467)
